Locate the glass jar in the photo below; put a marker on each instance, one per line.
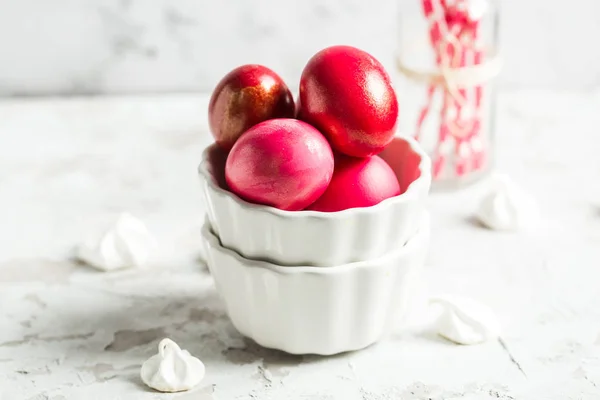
(448, 59)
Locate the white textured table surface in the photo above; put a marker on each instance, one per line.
(68, 332)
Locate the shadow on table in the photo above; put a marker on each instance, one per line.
(108, 324)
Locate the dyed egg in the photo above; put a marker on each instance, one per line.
(244, 97)
(347, 95)
(357, 182)
(284, 163)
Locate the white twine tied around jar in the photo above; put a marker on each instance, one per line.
(453, 78)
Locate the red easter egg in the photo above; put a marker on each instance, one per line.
(347, 95)
(244, 97)
(357, 182)
(284, 163)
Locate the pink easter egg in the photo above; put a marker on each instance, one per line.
(284, 163)
(357, 182)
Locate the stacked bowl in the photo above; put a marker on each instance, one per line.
(309, 282)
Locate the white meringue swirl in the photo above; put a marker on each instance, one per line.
(507, 207)
(125, 244)
(465, 321)
(172, 369)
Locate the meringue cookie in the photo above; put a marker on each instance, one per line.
(507, 207)
(465, 321)
(172, 369)
(126, 244)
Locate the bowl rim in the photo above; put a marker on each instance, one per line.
(215, 243)
(412, 191)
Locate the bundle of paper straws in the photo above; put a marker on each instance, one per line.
(454, 35)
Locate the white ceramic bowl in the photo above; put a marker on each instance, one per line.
(318, 238)
(312, 310)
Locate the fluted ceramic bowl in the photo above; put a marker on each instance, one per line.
(313, 310)
(319, 238)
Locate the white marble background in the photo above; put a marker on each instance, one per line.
(125, 46)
